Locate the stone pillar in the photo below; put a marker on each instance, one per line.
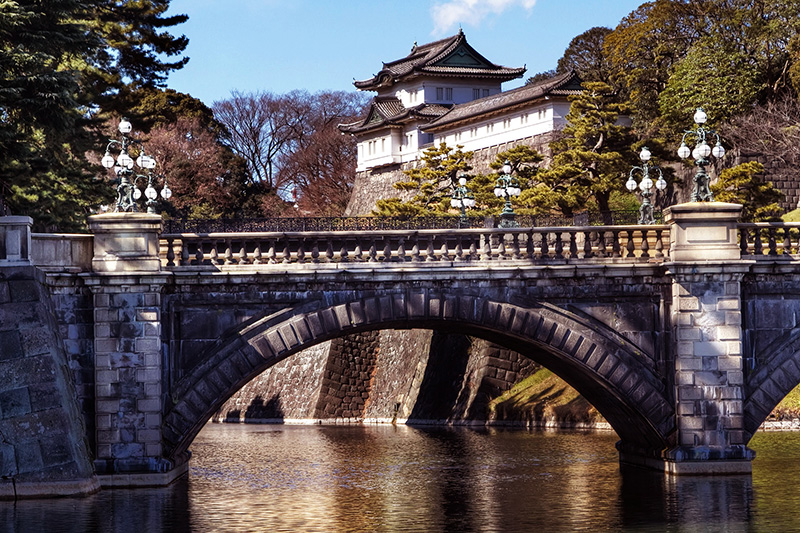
(15, 240)
(127, 283)
(707, 340)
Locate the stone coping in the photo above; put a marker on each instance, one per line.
(148, 479)
(11, 490)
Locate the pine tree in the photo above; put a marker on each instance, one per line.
(591, 157)
(432, 183)
(742, 185)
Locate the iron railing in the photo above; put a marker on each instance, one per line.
(374, 223)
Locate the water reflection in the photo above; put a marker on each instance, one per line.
(290, 478)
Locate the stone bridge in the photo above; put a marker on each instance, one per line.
(684, 336)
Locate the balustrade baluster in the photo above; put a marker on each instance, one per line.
(501, 248)
(343, 254)
(257, 257)
(630, 246)
(431, 256)
(373, 252)
(615, 244)
(659, 244)
(459, 251)
(272, 256)
(242, 259)
(315, 251)
(645, 243)
(602, 251)
(301, 251)
(401, 250)
(184, 252)
(530, 248)
(544, 246)
(199, 256)
(587, 244)
(358, 254)
(473, 250)
(170, 252)
(387, 251)
(573, 244)
(287, 253)
(559, 247)
(743, 245)
(228, 252)
(773, 246)
(757, 248)
(515, 251)
(415, 255)
(214, 253)
(486, 249)
(787, 242)
(444, 252)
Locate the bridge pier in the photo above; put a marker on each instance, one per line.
(706, 321)
(127, 283)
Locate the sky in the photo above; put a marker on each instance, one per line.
(277, 46)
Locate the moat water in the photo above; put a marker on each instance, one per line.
(383, 478)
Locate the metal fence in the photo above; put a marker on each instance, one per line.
(372, 223)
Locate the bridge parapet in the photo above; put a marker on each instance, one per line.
(538, 245)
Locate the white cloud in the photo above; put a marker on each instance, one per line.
(446, 16)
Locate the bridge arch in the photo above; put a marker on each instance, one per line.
(609, 371)
(767, 386)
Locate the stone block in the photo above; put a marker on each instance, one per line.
(15, 403)
(710, 348)
(690, 392)
(689, 334)
(689, 303)
(29, 457)
(11, 345)
(690, 423)
(24, 290)
(729, 363)
(728, 304)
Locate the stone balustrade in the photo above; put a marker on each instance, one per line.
(769, 239)
(540, 245)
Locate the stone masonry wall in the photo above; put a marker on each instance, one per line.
(43, 445)
(379, 183)
(347, 377)
(288, 390)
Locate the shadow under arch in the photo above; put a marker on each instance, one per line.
(767, 386)
(608, 370)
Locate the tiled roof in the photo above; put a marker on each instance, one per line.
(389, 111)
(452, 56)
(562, 85)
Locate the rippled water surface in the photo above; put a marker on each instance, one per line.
(313, 478)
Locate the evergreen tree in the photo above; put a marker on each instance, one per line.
(432, 183)
(742, 185)
(591, 157)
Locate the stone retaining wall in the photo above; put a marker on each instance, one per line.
(43, 446)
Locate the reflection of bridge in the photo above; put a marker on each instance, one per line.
(683, 339)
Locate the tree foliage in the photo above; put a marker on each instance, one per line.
(291, 144)
(64, 64)
(431, 183)
(743, 185)
(585, 55)
(589, 159)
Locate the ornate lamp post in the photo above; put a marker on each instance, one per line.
(462, 198)
(507, 186)
(127, 191)
(645, 186)
(700, 153)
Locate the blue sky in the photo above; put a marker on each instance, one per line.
(315, 45)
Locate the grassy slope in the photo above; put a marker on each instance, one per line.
(543, 397)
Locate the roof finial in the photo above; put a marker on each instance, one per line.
(414, 47)
(460, 31)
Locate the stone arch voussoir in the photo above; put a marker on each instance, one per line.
(767, 386)
(609, 371)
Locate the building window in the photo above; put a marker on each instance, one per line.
(440, 94)
(486, 92)
(476, 93)
(448, 94)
